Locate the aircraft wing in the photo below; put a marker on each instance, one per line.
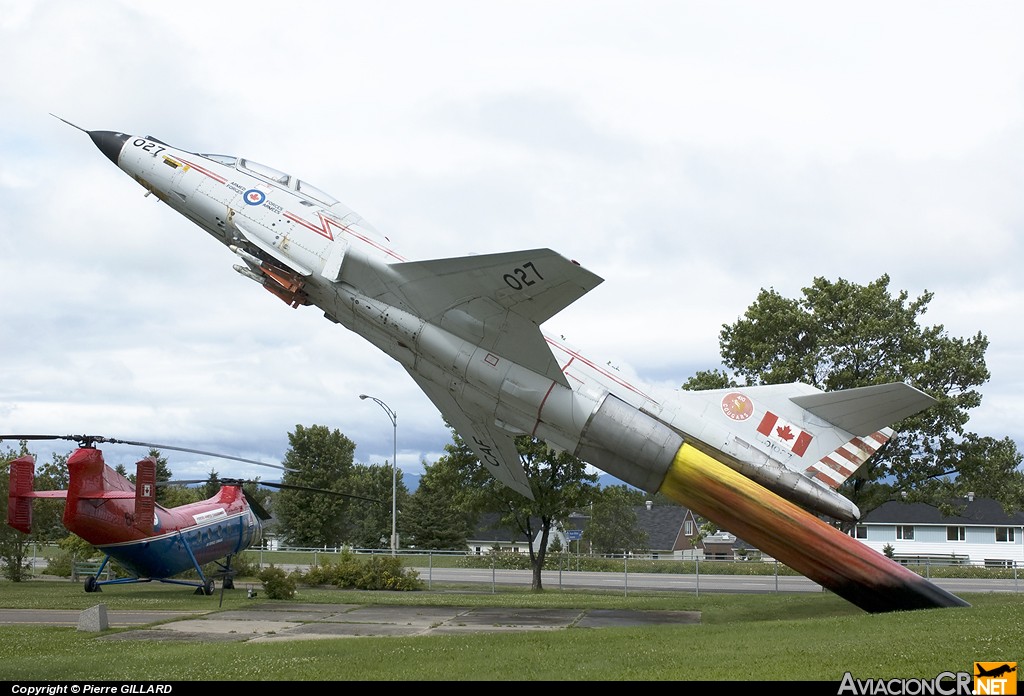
(496, 301)
(535, 283)
(495, 448)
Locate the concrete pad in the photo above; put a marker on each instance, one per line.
(479, 617)
(262, 615)
(410, 616)
(264, 623)
(241, 627)
(341, 630)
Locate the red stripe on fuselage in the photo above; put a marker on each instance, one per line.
(324, 230)
(618, 380)
(203, 170)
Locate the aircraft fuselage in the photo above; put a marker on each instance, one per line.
(467, 330)
(307, 248)
(180, 537)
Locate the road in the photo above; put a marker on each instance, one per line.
(625, 581)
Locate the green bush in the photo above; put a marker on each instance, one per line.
(277, 583)
(505, 559)
(388, 573)
(375, 573)
(69, 550)
(344, 572)
(59, 564)
(243, 566)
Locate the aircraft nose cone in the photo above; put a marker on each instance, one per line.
(109, 143)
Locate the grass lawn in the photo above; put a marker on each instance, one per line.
(790, 637)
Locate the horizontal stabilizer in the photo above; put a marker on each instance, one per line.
(863, 411)
(106, 495)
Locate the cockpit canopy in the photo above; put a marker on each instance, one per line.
(277, 177)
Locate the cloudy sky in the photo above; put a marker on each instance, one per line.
(690, 153)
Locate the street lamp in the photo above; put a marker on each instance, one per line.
(394, 469)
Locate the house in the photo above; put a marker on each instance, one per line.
(488, 536)
(723, 546)
(669, 528)
(981, 533)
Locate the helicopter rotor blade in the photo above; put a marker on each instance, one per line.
(37, 437)
(290, 486)
(88, 440)
(256, 506)
(193, 451)
(268, 484)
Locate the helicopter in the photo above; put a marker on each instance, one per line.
(122, 519)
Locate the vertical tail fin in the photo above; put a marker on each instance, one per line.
(835, 468)
(19, 502)
(145, 494)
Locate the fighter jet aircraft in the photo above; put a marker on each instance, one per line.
(761, 462)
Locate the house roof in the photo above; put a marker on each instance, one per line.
(979, 511)
(663, 524)
(487, 530)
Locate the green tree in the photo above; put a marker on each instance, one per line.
(840, 335)
(613, 524)
(48, 514)
(177, 494)
(212, 484)
(167, 494)
(13, 544)
(367, 523)
(560, 484)
(710, 379)
(321, 458)
(435, 517)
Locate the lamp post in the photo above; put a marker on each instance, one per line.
(394, 469)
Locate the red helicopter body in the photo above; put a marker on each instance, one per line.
(123, 520)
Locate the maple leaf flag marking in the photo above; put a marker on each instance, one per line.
(785, 433)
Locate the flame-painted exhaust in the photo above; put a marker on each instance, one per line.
(798, 539)
(645, 453)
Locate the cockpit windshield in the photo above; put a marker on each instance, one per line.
(266, 172)
(278, 177)
(315, 193)
(229, 160)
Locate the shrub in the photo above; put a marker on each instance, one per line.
(377, 573)
(244, 566)
(277, 583)
(388, 573)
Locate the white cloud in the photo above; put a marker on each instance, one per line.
(690, 153)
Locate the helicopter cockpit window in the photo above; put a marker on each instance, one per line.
(316, 194)
(266, 172)
(229, 160)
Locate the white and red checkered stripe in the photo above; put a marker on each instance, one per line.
(834, 468)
